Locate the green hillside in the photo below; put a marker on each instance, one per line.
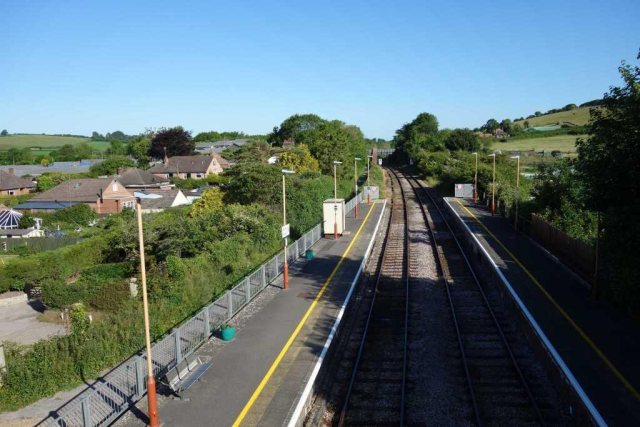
(564, 143)
(579, 116)
(46, 142)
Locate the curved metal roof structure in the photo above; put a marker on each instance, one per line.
(9, 219)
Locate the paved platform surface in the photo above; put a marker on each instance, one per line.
(243, 387)
(613, 335)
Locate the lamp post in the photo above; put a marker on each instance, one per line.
(284, 224)
(475, 186)
(368, 180)
(517, 194)
(335, 200)
(493, 192)
(355, 180)
(151, 383)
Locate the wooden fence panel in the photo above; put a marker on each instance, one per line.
(575, 253)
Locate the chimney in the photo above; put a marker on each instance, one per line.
(211, 152)
(166, 159)
(11, 171)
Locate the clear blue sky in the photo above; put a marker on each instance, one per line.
(79, 66)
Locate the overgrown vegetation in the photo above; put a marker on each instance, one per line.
(193, 255)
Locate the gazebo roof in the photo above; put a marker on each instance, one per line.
(9, 219)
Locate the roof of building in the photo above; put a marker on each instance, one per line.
(157, 199)
(9, 219)
(134, 177)
(16, 231)
(224, 163)
(223, 143)
(13, 182)
(75, 190)
(183, 164)
(45, 205)
(61, 167)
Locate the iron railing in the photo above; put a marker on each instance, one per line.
(111, 395)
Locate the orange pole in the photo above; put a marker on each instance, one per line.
(151, 383)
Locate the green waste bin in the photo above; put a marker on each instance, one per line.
(309, 254)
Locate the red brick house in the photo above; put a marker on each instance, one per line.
(12, 185)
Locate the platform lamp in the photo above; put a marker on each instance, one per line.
(284, 223)
(493, 192)
(475, 186)
(151, 383)
(335, 199)
(517, 194)
(355, 180)
(368, 180)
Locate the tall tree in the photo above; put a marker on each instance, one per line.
(296, 127)
(608, 163)
(177, 141)
(139, 149)
(4, 132)
(462, 139)
(492, 125)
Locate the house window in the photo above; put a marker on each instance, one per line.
(12, 192)
(115, 187)
(127, 205)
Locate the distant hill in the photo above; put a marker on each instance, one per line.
(46, 142)
(578, 116)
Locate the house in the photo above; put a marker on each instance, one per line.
(220, 146)
(196, 167)
(12, 185)
(104, 196)
(159, 200)
(500, 134)
(288, 143)
(134, 178)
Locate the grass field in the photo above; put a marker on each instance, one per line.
(564, 143)
(46, 142)
(579, 116)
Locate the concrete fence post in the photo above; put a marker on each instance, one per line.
(230, 304)
(247, 287)
(264, 275)
(140, 379)
(86, 412)
(207, 323)
(176, 337)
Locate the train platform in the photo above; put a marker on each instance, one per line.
(264, 376)
(599, 345)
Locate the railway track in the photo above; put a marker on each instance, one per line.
(376, 391)
(499, 392)
(424, 343)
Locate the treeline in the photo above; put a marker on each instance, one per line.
(117, 136)
(603, 180)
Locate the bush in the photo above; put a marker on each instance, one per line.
(78, 215)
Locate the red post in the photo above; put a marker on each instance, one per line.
(286, 275)
(368, 197)
(335, 230)
(153, 402)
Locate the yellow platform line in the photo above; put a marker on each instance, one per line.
(584, 336)
(293, 336)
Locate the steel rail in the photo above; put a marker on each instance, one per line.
(484, 297)
(354, 373)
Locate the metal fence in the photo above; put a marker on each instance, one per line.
(111, 395)
(41, 244)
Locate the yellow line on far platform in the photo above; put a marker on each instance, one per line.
(564, 314)
(293, 336)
